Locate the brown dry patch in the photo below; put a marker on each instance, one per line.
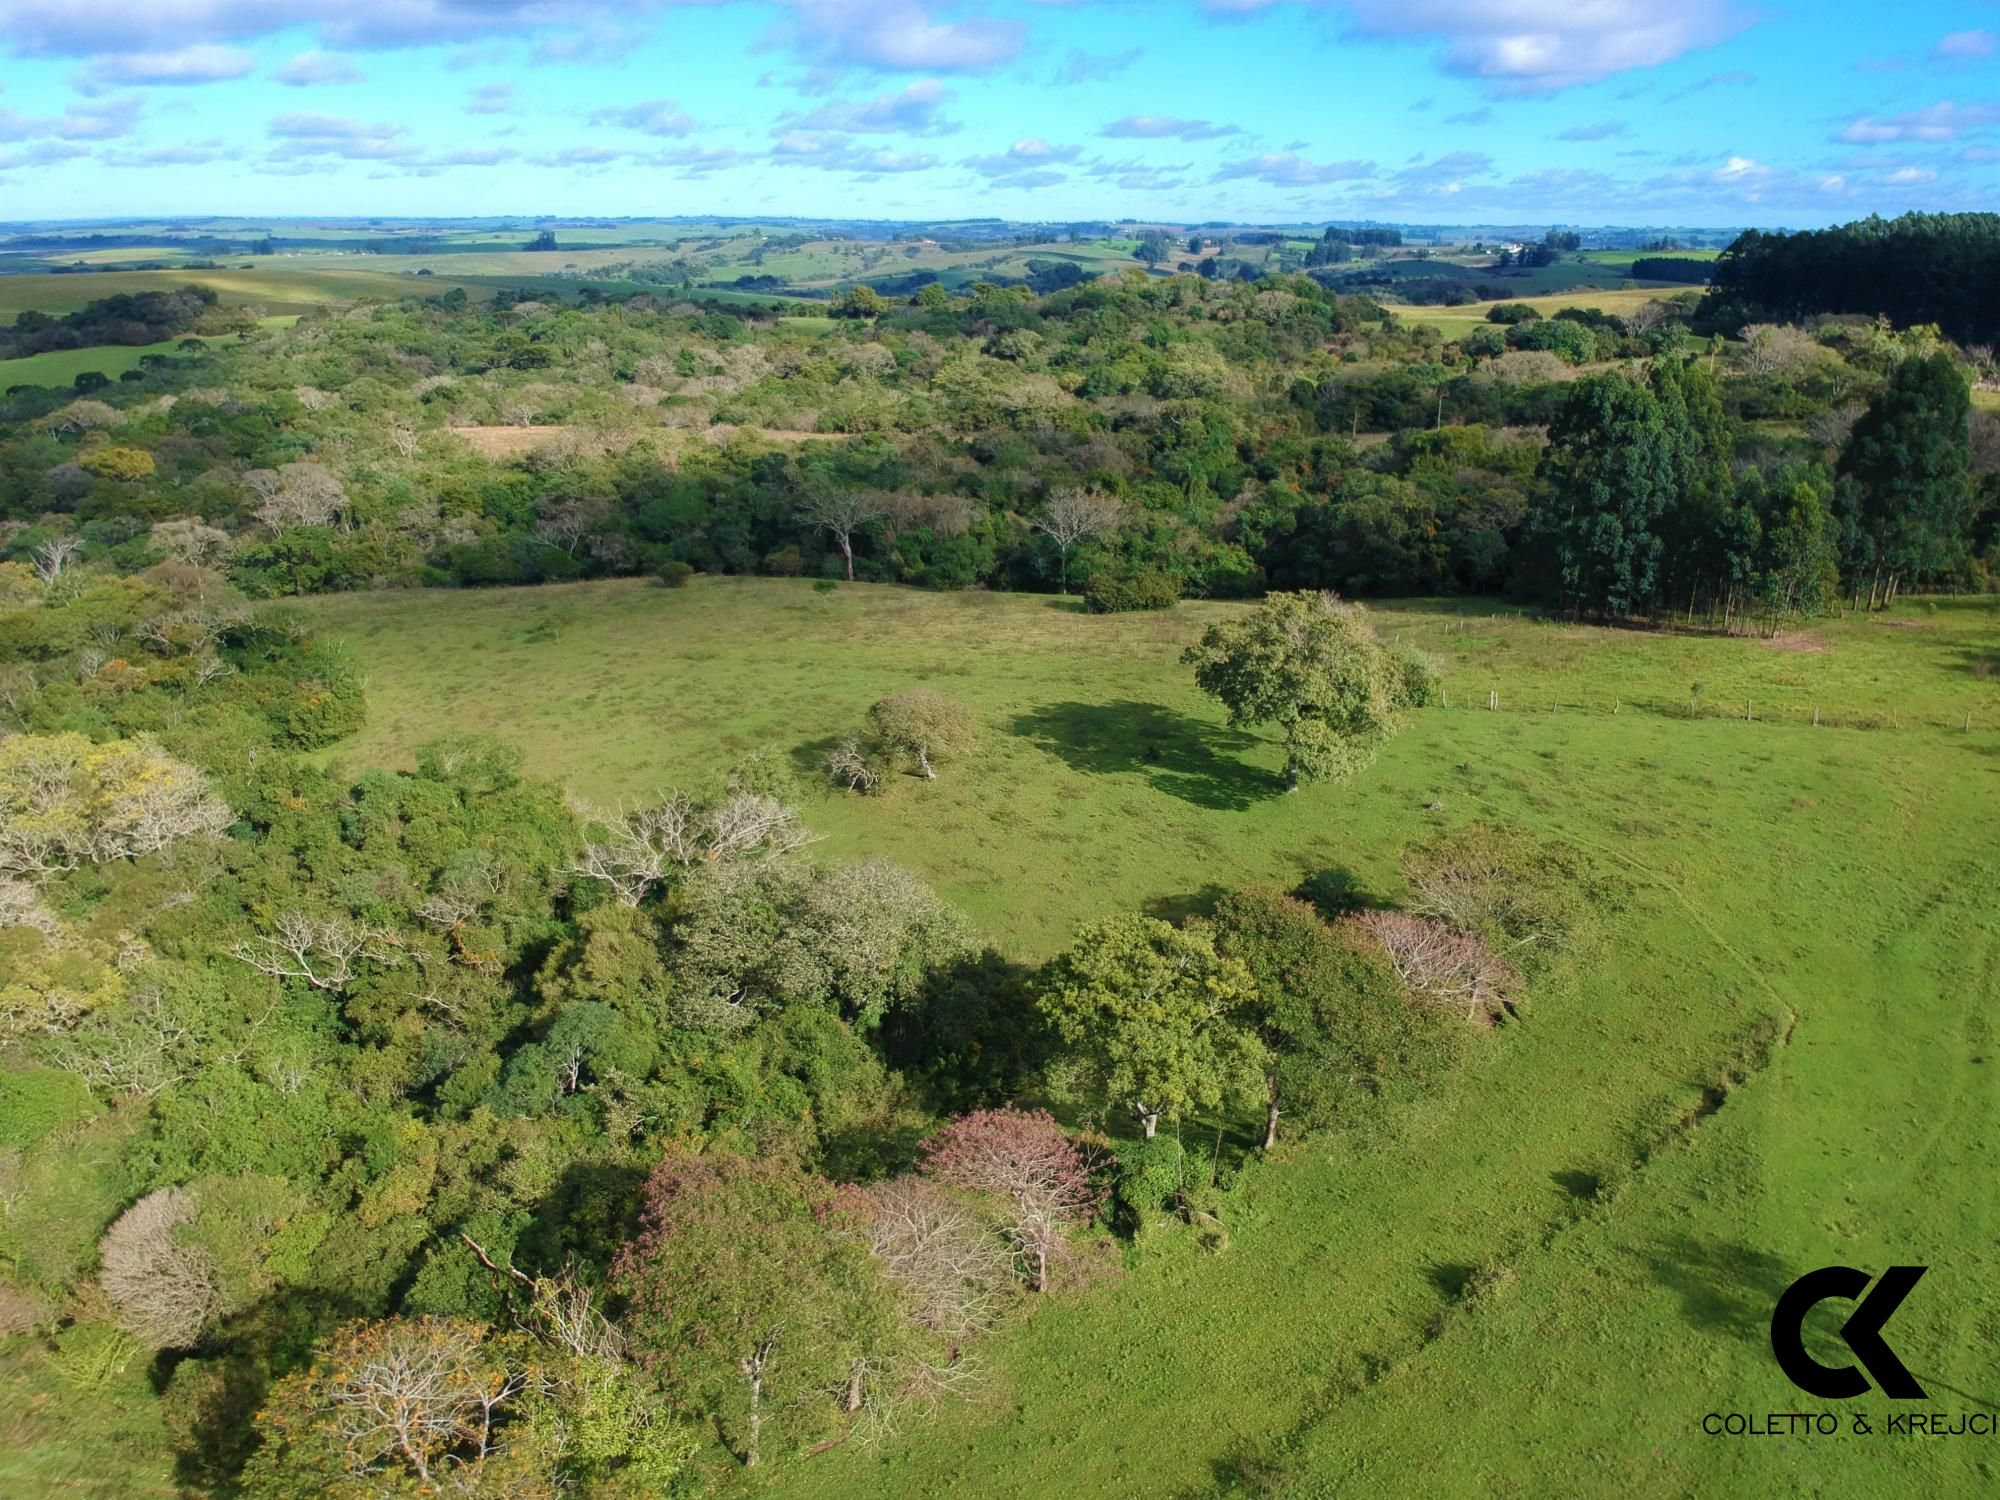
(1811, 642)
(1888, 624)
(507, 442)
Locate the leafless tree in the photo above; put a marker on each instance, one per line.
(187, 539)
(846, 764)
(66, 802)
(561, 1310)
(955, 1271)
(1072, 515)
(1779, 349)
(644, 846)
(52, 556)
(81, 416)
(323, 951)
(841, 511)
(1442, 965)
(165, 1291)
(298, 494)
(568, 523)
(1026, 1158)
(1830, 428)
(422, 1389)
(21, 906)
(1647, 315)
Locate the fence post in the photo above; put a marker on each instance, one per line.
(1815, 716)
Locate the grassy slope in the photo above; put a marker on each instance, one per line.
(1838, 881)
(278, 285)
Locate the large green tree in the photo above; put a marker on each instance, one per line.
(1611, 469)
(1910, 460)
(1310, 664)
(1156, 1017)
(1336, 1024)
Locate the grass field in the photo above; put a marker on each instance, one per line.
(1775, 1052)
(1455, 321)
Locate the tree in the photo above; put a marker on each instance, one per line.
(1024, 1157)
(953, 1269)
(1910, 458)
(1152, 1012)
(1154, 246)
(66, 801)
(635, 850)
(1312, 665)
(1610, 472)
(390, 1404)
(165, 1290)
(841, 510)
(922, 726)
(860, 301)
(52, 556)
(742, 1292)
(1442, 965)
(1074, 515)
(1334, 1022)
(298, 494)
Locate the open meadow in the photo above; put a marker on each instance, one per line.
(1773, 1041)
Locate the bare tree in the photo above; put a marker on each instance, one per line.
(846, 764)
(298, 494)
(569, 523)
(642, 847)
(1026, 1158)
(65, 802)
(425, 1390)
(187, 539)
(841, 511)
(955, 1271)
(52, 556)
(1073, 515)
(323, 951)
(165, 1292)
(1442, 965)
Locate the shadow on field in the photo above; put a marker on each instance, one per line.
(1725, 1288)
(1182, 757)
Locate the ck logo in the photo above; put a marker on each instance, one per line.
(1862, 1332)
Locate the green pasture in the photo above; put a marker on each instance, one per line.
(1771, 1049)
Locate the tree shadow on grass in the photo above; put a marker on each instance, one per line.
(1181, 756)
(1732, 1289)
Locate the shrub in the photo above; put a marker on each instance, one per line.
(1116, 590)
(674, 573)
(1418, 679)
(1511, 312)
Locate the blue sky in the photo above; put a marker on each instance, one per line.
(1696, 112)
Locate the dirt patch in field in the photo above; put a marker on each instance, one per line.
(1811, 642)
(1888, 624)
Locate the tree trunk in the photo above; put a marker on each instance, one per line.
(1271, 1118)
(753, 1370)
(924, 760)
(854, 1373)
(847, 551)
(1149, 1120)
(1291, 776)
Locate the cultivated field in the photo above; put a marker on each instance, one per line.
(1773, 1049)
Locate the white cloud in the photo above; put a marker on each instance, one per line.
(315, 68)
(1166, 127)
(1024, 164)
(1536, 46)
(1946, 120)
(660, 117)
(202, 62)
(1963, 46)
(1289, 169)
(491, 99)
(895, 36)
(913, 111)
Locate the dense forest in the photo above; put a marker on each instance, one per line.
(1919, 268)
(1136, 437)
